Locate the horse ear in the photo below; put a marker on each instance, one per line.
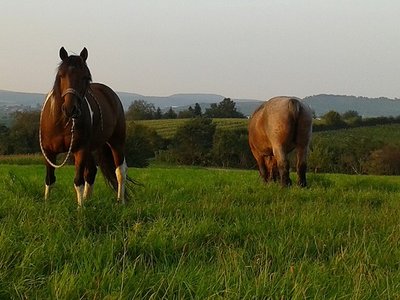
(63, 54)
(84, 54)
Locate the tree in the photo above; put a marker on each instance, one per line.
(140, 110)
(197, 110)
(5, 147)
(24, 132)
(193, 142)
(213, 111)
(170, 114)
(186, 114)
(333, 119)
(224, 109)
(158, 114)
(231, 148)
(352, 118)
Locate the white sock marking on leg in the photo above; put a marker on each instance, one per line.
(120, 172)
(87, 193)
(79, 194)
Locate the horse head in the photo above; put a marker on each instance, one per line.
(72, 82)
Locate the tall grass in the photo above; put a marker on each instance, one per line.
(193, 233)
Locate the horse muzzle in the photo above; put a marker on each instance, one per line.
(71, 107)
(73, 113)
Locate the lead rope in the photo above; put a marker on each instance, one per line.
(41, 145)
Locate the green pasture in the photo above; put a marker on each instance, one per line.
(196, 233)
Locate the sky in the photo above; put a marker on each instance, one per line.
(253, 49)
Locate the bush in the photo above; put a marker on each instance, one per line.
(141, 145)
(347, 154)
(231, 149)
(193, 142)
(384, 161)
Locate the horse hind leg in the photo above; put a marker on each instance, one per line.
(301, 166)
(272, 167)
(283, 166)
(90, 176)
(120, 170)
(262, 169)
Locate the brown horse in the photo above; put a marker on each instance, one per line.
(82, 118)
(278, 126)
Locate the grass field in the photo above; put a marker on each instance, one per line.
(193, 233)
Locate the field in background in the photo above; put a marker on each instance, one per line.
(167, 128)
(386, 133)
(195, 233)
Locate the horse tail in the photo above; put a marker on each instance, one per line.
(294, 108)
(294, 111)
(107, 166)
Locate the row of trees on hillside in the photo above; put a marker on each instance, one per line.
(141, 110)
(199, 142)
(333, 120)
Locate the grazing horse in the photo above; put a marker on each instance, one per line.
(83, 118)
(278, 126)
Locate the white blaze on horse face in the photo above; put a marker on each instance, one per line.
(120, 172)
(79, 194)
(87, 193)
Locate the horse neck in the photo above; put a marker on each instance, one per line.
(52, 109)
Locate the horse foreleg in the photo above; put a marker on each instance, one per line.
(79, 176)
(50, 177)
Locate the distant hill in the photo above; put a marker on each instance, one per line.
(176, 101)
(170, 101)
(321, 104)
(366, 107)
(9, 98)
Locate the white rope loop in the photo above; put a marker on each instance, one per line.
(41, 144)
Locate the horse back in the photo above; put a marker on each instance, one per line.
(109, 114)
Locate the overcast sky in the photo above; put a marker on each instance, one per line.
(237, 48)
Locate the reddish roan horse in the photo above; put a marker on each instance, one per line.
(83, 118)
(277, 127)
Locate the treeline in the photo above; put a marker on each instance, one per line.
(332, 120)
(198, 141)
(141, 110)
